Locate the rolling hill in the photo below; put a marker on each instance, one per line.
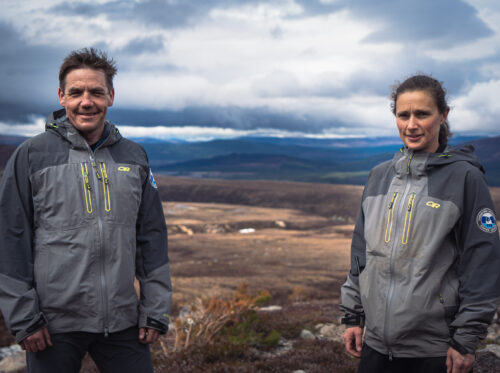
(345, 161)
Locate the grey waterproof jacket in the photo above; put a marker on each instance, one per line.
(76, 227)
(425, 255)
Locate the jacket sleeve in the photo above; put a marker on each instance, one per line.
(350, 294)
(152, 262)
(18, 297)
(478, 267)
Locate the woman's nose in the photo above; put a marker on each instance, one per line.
(412, 122)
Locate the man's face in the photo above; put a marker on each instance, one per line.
(86, 99)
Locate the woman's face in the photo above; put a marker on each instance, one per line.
(418, 120)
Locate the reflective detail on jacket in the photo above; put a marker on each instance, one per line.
(76, 226)
(430, 274)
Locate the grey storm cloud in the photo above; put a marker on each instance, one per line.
(167, 14)
(144, 45)
(228, 117)
(442, 23)
(26, 73)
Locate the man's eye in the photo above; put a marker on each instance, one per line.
(74, 93)
(403, 115)
(98, 93)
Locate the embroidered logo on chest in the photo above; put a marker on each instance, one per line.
(432, 204)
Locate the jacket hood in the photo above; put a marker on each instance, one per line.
(59, 124)
(461, 153)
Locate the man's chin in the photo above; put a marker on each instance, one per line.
(88, 126)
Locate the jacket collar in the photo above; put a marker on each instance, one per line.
(60, 124)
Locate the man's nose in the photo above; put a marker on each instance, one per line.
(86, 99)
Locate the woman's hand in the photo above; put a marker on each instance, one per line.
(353, 339)
(148, 335)
(458, 363)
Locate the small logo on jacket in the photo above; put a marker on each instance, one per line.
(152, 180)
(433, 204)
(124, 169)
(486, 221)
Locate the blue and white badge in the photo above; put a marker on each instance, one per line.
(486, 221)
(152, 180)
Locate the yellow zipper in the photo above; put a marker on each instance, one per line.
(105, 187)
(409, 212)
(86, 187)
(390, 217)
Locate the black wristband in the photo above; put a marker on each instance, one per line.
(457, 346)
(353, 320)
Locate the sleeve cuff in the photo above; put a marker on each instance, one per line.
(457, 346)
(353, 320)
(38, 323)
(149, 322)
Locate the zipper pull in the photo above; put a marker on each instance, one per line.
(86, 178)
(392, 200)
(410, 202)
(87, 183)
(95, 169)
(390, 355)
(104, 173)
(106, 333)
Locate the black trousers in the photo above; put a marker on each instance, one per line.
(374, 362)
(119, 352)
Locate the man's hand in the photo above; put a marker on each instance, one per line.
(148, 335)
(38, 341)
(458, 363)
(353, 339)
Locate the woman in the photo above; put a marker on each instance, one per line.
(425, 255)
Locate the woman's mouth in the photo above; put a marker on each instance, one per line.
(414, 137)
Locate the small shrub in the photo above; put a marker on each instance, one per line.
(272, 338)
(219, 321)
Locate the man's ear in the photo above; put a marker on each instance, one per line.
(60, 93)
(111, 97)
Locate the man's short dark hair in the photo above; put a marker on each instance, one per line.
(89, 58)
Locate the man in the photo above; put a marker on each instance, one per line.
(80, 218)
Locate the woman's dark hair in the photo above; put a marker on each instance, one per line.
(431, 86)
(88, 58)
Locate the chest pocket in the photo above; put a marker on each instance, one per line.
(121, 191)
(400, 214)
(112, 190)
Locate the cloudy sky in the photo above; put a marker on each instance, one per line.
(197, 69)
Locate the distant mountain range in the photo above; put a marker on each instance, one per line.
(345, 161)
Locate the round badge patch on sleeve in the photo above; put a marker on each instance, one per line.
(152, 179)
(486, 221)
